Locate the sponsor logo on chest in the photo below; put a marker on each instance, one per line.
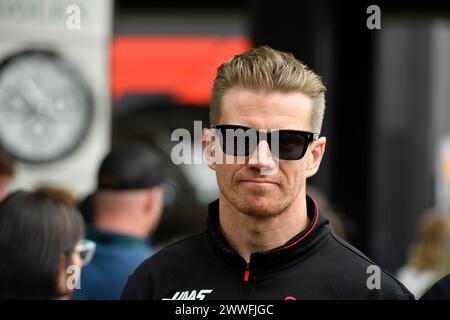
(190, 295)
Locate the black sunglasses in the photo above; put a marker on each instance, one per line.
(242, 141)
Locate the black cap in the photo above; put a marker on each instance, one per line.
(131, 166)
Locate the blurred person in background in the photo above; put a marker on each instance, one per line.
(128, 205)
(425, 255)
(441, 289)
(443, 266)
(6, 174)
(265, 237)
(41, 236)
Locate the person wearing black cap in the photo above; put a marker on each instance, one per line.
(128, 206)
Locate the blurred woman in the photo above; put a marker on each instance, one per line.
(443, 267)
(441, 289)
(41, 245)
(425, 255)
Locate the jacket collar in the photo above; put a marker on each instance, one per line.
(114, 239)
(271, 260)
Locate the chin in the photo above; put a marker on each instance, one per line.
(259, 206)
(258, 202)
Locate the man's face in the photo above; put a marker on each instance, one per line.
(245, 186)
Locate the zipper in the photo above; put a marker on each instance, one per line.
(247, 273)
(247, 283)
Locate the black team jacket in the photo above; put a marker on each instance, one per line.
(315, 264)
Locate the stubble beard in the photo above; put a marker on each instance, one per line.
(259, 203)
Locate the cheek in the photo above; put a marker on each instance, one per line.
(293, 171)
(225, 173)
(76, 259)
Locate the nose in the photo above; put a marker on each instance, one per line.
(262, 159)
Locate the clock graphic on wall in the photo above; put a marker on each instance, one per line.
(46, 107)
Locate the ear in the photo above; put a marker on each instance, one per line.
(315, 156)
(209, 148)
(154, 199)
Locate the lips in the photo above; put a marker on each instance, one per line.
(259, 181)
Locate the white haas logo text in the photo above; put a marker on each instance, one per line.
(189, 295)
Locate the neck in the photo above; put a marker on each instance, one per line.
(121, 224)
(248, 234)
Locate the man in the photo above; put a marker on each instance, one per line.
(128, 207)
(265, 237)
(6, 174)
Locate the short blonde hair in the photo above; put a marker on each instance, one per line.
(264, 68)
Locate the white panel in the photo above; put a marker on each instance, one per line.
(26, 24)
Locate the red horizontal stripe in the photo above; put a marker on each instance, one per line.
(181, 66)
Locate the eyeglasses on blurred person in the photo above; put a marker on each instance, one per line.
(86, 250)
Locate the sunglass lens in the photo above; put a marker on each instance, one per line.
(239, 142)
(291, 146)
(84, 254)
(284, 144)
